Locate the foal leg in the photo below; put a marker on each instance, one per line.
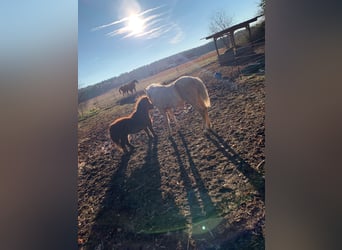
(125, 142)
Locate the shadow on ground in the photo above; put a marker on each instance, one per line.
(254, 177)
(130, 98)
(133, 212)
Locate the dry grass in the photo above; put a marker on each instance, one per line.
(110, 99)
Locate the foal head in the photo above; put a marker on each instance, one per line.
(143, 104)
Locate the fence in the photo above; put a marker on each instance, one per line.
(245, 57)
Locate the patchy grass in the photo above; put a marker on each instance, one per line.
(88, 114)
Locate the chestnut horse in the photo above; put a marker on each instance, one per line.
(138, 120)
(186, 89)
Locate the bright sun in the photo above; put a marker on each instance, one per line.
(135, 24)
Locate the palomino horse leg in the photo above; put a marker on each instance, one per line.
(149, 133)
(203, 110)
(204, 113)
(174, 118)
(206, 119)
(167, 120)
(150, 128)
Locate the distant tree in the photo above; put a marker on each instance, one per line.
(262, 6)
(220, 21)
(81, 108)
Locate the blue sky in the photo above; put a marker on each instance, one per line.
(117, 36)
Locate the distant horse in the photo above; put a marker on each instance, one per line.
(138, 120)
(123, 90)
(186, 89)
(129, 87)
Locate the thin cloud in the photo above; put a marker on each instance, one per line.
(155, 25)
(156, 32)
(150, 10)
(110, 24)
(179, 35)
(120, 31)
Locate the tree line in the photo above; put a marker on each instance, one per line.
(156, 67)
(145, 71)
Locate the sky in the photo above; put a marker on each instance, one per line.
(117, 36)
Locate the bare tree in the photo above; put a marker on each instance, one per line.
(220, 21)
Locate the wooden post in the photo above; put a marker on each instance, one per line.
(249, 32)
(232, 39)
(216, 47)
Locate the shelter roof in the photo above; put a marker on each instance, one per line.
(233, 28)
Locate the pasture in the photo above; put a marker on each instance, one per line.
(193, 190)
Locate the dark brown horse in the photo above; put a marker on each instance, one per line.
(138, 120)
(129, 87)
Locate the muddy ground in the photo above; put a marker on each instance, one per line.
(193, 190)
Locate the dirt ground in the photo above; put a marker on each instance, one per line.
(193, 190)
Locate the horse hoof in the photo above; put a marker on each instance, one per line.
(154, 137)
(208, 130)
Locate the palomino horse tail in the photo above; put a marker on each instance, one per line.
(187, 85)
(203, 92)
(193, 91)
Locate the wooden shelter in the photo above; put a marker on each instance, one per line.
(224, 59)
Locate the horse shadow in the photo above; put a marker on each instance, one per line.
(254, 177)
(130, 98)
(127, 99)
(110, 206)
(202, 210)
(133, 212)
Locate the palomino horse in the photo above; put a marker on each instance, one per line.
(128, 87)
(186, 89)
(138, 120)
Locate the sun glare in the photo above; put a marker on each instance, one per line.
(138, 24)
(135, 24)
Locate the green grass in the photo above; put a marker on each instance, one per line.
(87, 114)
